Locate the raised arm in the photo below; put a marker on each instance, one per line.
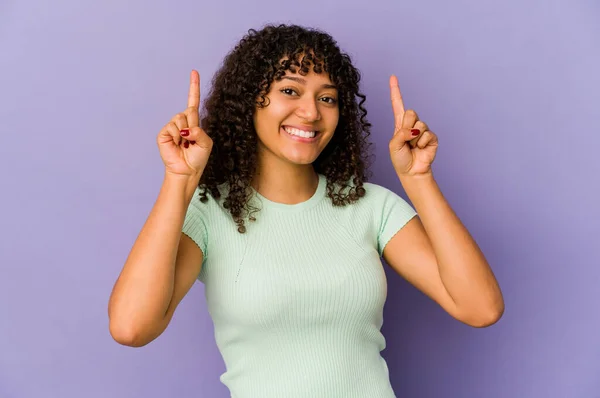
(163, 263)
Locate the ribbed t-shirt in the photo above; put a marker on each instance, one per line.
(297, 301)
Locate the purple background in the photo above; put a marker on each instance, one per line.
(511, 88)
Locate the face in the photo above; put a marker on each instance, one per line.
(300, 119)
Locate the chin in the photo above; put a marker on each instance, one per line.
(299, 156)
(300, 162)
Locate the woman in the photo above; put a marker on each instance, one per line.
(266, 202)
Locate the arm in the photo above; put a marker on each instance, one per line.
(435, 253)
(159, 271)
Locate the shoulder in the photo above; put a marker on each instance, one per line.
(390, 213)
(203, 198)
(204, 207)
(383, 205)
(376, 195)
(375, 217)
(377, 192)
(384, 200)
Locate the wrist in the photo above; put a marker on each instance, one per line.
(182, 183)
(416, 178)
(418, 186)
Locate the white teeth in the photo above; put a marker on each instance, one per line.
(300, 133)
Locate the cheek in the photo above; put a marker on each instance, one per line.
(278, 111)
(272, 115)
(333, 120)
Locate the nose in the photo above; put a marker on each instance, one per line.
(308, 110)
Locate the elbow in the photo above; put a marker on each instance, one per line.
(487, 320)
(487, 317)
(125, 333)
(483, 317)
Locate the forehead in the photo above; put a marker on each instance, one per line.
(310, 79)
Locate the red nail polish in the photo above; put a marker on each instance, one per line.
(185, 132)
(415, 131)
(192, 142)
(186, 144)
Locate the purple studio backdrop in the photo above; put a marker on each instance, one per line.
(511, 88)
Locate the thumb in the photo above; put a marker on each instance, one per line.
(405, 137)
(198, 137)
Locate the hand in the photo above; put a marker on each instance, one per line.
(184, 147)
(413, 146)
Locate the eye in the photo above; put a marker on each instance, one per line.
(330, 100)
(288, 91)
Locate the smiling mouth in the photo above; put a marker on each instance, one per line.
(301, 134)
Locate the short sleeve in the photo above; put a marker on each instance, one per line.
(393, 214)
(195, 224)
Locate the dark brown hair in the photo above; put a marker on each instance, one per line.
(246, 74)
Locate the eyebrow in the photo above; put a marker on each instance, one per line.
(303, 81)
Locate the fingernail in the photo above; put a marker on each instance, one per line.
(186, 144)
(192, 142)
(415, 131)
(185, 132)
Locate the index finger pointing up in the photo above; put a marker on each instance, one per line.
(397, 103)
(194, 94)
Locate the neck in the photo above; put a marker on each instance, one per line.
(286, 183)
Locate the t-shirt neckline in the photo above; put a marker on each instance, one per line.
(313, 200)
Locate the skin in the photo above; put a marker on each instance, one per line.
(434, 251)
(163, 263)
(285, 173)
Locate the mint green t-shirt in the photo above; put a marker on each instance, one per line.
(297, 301)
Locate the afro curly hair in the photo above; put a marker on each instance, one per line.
(240, 86)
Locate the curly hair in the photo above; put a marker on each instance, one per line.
(239, 88)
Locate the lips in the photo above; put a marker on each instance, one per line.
(299, 138)
(303, 128)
